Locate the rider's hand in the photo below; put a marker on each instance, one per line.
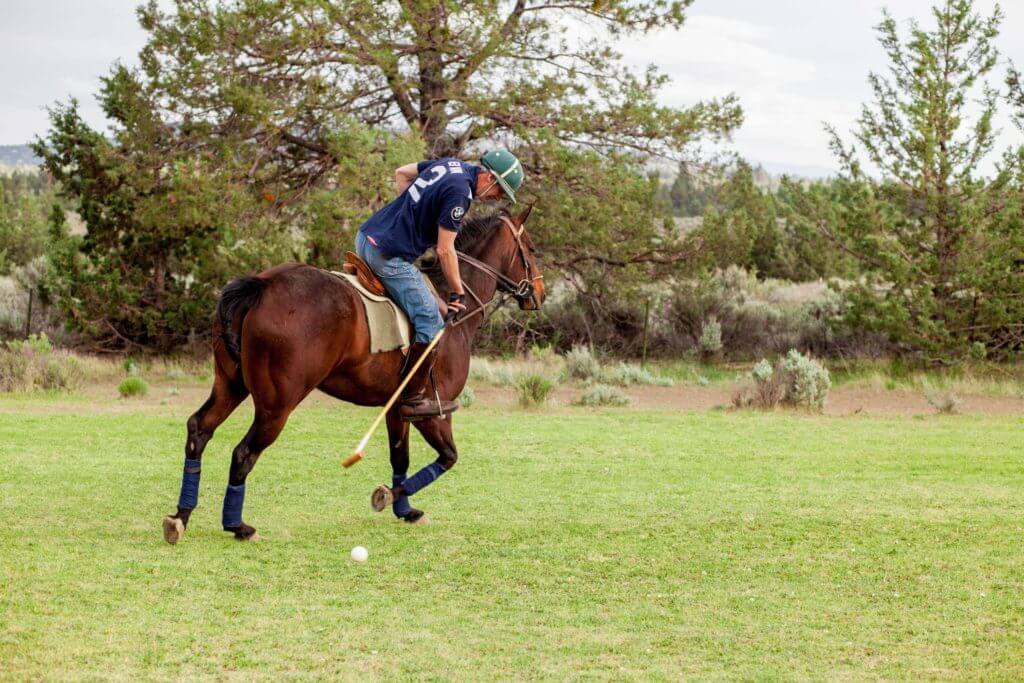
(456, 302)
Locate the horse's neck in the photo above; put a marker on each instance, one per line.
(483, 285)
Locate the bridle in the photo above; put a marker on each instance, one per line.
(522, 291)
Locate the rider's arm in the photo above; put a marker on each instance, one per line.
(449, 259)
(404, 176)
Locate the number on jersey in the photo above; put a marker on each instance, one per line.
(439, 172)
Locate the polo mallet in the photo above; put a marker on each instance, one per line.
(358, 454)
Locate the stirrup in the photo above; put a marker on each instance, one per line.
(422, 408)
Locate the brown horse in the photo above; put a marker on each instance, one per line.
(295, 328)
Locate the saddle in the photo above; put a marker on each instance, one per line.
(367, 278)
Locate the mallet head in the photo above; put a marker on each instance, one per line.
(353, 459)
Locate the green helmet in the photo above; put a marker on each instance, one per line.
(506, 168)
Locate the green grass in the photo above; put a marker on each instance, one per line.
(565, 544)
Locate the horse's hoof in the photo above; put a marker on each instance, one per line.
(416, 517)
(382, 497)
(174, 529)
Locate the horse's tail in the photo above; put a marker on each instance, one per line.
(235, 300)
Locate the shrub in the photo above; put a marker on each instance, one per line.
(581, 364)
(626, 375)
(711, 337)
(13, 307)
(131, 368)
(37, 343)
(807, 381)
(795, 380)
(602, 395)
(62, 374)
(533, 390)
(32, 364)
(16, 371)
(945, 402)
(467, 397)
(133, 386)
(483, 370)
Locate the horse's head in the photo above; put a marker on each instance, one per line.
(521, 265)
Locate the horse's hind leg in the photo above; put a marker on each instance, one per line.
(438, 433)
(398, 443)
(224, 398)
(266, 427)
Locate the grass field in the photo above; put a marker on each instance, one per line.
(565, 544)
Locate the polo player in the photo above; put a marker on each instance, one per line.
(433, 197)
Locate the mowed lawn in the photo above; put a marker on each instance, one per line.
(565, 544)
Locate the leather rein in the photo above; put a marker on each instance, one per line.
(521, 291)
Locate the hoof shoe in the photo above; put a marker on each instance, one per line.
(381, 498)
(174, 529)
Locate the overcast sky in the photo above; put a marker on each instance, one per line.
(793, 64)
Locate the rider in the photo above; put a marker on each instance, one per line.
(433, 197)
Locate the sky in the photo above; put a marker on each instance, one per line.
(793, 64)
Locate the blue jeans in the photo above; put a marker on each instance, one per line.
(405, 284)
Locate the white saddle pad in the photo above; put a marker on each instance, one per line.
(389, 326)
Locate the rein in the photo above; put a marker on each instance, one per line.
(509, 288)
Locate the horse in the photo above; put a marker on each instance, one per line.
(293, 328)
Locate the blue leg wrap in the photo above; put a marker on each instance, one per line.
(401, 505)
(423, 478)
(189, 497)
(234, 498)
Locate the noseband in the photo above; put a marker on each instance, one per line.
(522, 291)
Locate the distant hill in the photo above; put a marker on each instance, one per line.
(17, 156)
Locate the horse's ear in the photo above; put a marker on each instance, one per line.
(521, 218)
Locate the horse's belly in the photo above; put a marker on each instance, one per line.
(351, 389)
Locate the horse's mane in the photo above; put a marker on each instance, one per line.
(478, 227)
(475, 229)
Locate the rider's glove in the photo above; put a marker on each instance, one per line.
(454, 298)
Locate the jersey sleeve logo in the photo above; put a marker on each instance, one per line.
(457, 213)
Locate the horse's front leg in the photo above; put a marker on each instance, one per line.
(398, 443)
(438, 433)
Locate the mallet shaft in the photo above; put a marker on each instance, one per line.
(357, 455)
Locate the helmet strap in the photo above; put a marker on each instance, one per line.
(488, 187)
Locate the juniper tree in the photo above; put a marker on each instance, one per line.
(936, 239)
(280, 77)
(257, 129)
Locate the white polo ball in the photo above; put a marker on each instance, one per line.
(359, 553)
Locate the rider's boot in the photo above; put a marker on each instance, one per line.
(420, 400)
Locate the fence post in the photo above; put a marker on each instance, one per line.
(28, 316)
(647, 315)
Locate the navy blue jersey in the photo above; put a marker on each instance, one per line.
(440, 196)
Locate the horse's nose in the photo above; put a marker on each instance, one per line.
(538, 291)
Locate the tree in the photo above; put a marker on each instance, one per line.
(936, 240)
(689, 194)
(740, 226)
(257, 130)
(279, 78)
(289, 72)
(25, 202)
